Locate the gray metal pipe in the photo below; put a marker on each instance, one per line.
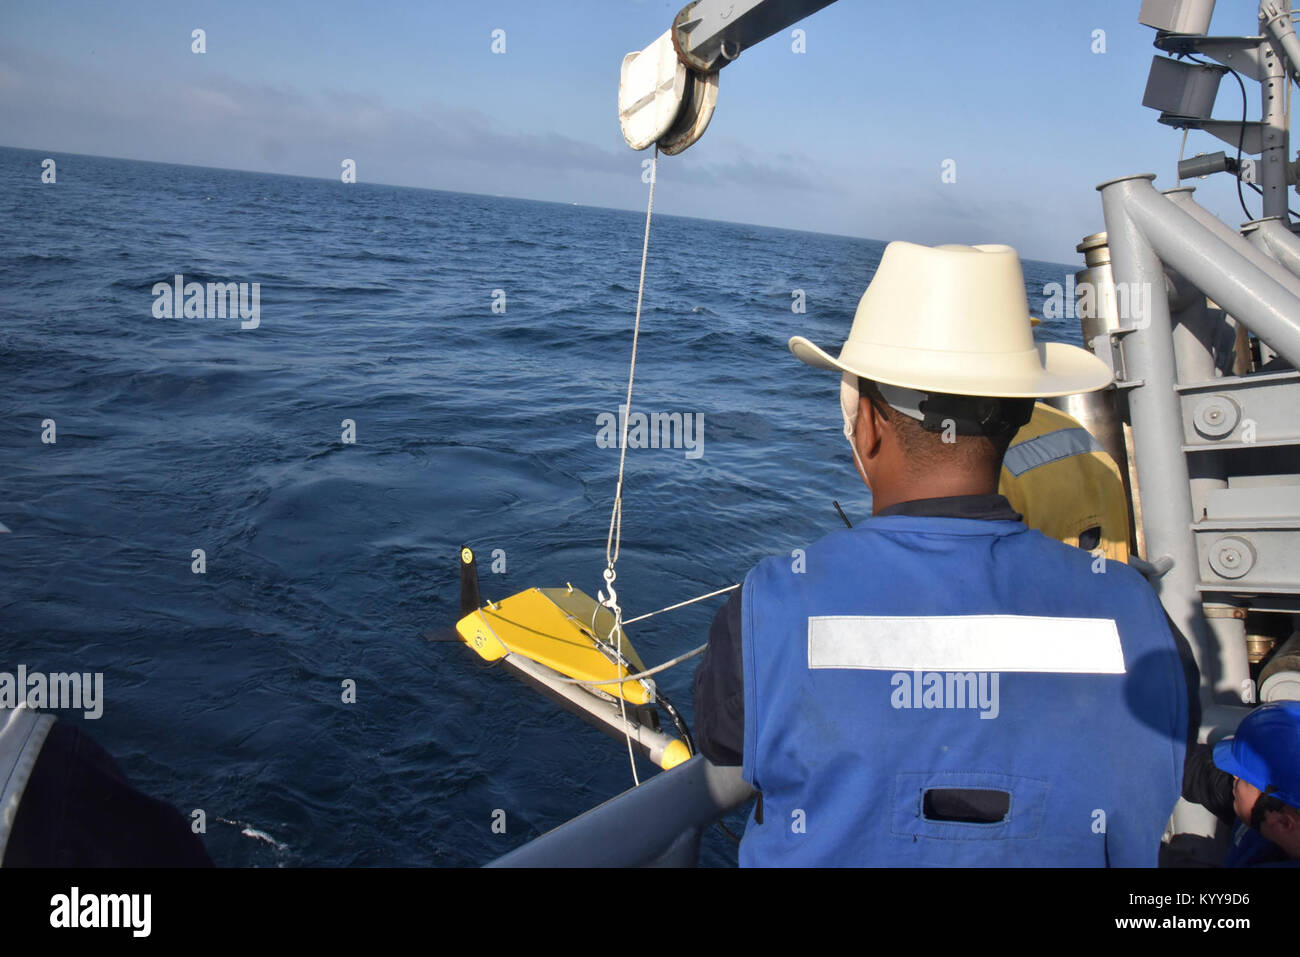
(1275, 17)
(1272, 163)
(1280, 243)
(1194, 335)
(1130, 205)
(1279, 59)
(1226, 271)
(1278, 271)
(643, 825)
(1279, 680)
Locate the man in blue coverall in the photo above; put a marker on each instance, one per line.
(941, 685)
(1253, 778)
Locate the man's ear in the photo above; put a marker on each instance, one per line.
(869, 427)
(1280, 825)
(1286, 821)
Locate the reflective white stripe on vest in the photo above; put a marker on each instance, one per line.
(966, 643)
(1060, 444)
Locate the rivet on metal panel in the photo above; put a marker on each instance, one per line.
(1216, 416)
(1232, 557)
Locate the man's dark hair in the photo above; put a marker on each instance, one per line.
(1001, 419)
(1269, 803)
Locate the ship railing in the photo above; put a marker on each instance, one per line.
(657, 824)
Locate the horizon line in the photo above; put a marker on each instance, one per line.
(527, 199)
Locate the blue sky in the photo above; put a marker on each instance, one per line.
(848, 137)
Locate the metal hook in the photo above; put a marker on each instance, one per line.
(612, 601)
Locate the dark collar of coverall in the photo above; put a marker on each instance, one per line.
(991, 508)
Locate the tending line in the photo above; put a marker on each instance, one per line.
(681, 604)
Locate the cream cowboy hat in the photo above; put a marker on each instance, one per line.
(955, 319)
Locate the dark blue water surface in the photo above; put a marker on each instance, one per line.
(328, 561)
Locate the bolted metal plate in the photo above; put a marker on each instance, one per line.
(1241, 411)
(1231, 556)
(1249, 557)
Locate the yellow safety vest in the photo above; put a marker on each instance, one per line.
(1062, 481)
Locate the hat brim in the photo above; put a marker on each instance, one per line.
(1224, 761)
(1065, 370)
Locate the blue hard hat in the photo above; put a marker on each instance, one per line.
(1265, 751)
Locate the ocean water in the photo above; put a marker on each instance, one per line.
(476, 415)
